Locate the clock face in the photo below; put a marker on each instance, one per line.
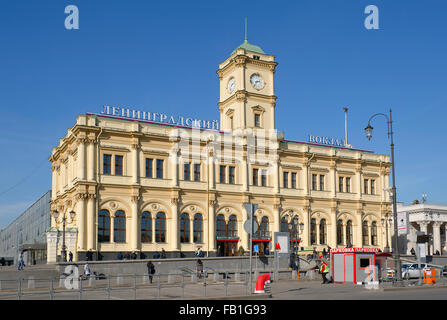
(256, 81)
(231, 85)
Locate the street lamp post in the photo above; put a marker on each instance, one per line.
(63, 249)
(368, 131)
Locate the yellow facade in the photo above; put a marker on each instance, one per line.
(89, 179)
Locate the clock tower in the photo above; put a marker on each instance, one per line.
(247, 93)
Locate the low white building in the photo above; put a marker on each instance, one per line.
(430, 219)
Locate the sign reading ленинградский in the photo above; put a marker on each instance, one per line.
(160, 118)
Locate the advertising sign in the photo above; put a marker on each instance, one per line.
(402, 223)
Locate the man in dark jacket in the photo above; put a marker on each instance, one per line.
(150, 270)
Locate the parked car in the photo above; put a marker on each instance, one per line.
(444, 271)
(412, 270)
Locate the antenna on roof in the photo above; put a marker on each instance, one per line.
(424, 197)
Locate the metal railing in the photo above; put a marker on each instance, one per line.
(128, 286)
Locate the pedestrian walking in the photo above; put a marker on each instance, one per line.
(150, 270)
(324, 271)
(199, 267)
(70, 256)
(163, 253)
(21, 264)
(87, 272)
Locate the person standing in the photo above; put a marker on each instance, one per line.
(199, 268)
(21, 264)
(70, 256)
(150, 270)
(324, 271)
(87, 270)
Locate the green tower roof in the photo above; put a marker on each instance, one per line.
(249, 47)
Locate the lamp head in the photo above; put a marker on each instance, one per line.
(368, 131)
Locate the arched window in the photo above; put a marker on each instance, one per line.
(198, 228)
(184, 228)
(146, 227)
(104, 226)
(374, 234)
(323, 230)
(160, 227)
(232, 226)
(339, 232)
(284, 224)
(220, 226)
(365, 236)
(119, 228)
(313, 231)
(349, 233)
(264, 227)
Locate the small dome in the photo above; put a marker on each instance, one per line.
(249, 47)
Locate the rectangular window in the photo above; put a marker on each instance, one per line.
(197, 172)
(107, 164)
(231, 175)
(159, 169)
(340, 184)
(365, 186)
(314, 182)
(348, 185)
(187, 171)
(285, 179)
(222, 175)
(373, 186)
(255, 177)
(321, 182)
(263, 177)
(149, 167)
(257, 120)
(118, 165)
(293, 180)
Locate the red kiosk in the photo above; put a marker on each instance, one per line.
(355, 265)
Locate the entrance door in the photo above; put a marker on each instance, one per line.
(226, 248)
(349, 267)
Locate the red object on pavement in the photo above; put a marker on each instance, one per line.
(260, 283)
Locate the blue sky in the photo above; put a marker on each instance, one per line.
(131, 53)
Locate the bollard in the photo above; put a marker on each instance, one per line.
(31, 282)
(146, 279)
(294, 274)
(92, 281)
(237, 276)
(119, 280)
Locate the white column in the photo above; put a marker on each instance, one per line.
(333, 180)
(80, 218)
(436, 237)
(358, 175)
(135, 235)
(245, 173)
(424, 226)
(91, 223)
(135, 163)
(332, 241)
(174, 230)
(91, 160)
(81, 159)
(211, 225)
(174, 163)
(305, 179)
(306, 231)
(276, 174)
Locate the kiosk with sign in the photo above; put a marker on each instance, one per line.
(355, 265)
